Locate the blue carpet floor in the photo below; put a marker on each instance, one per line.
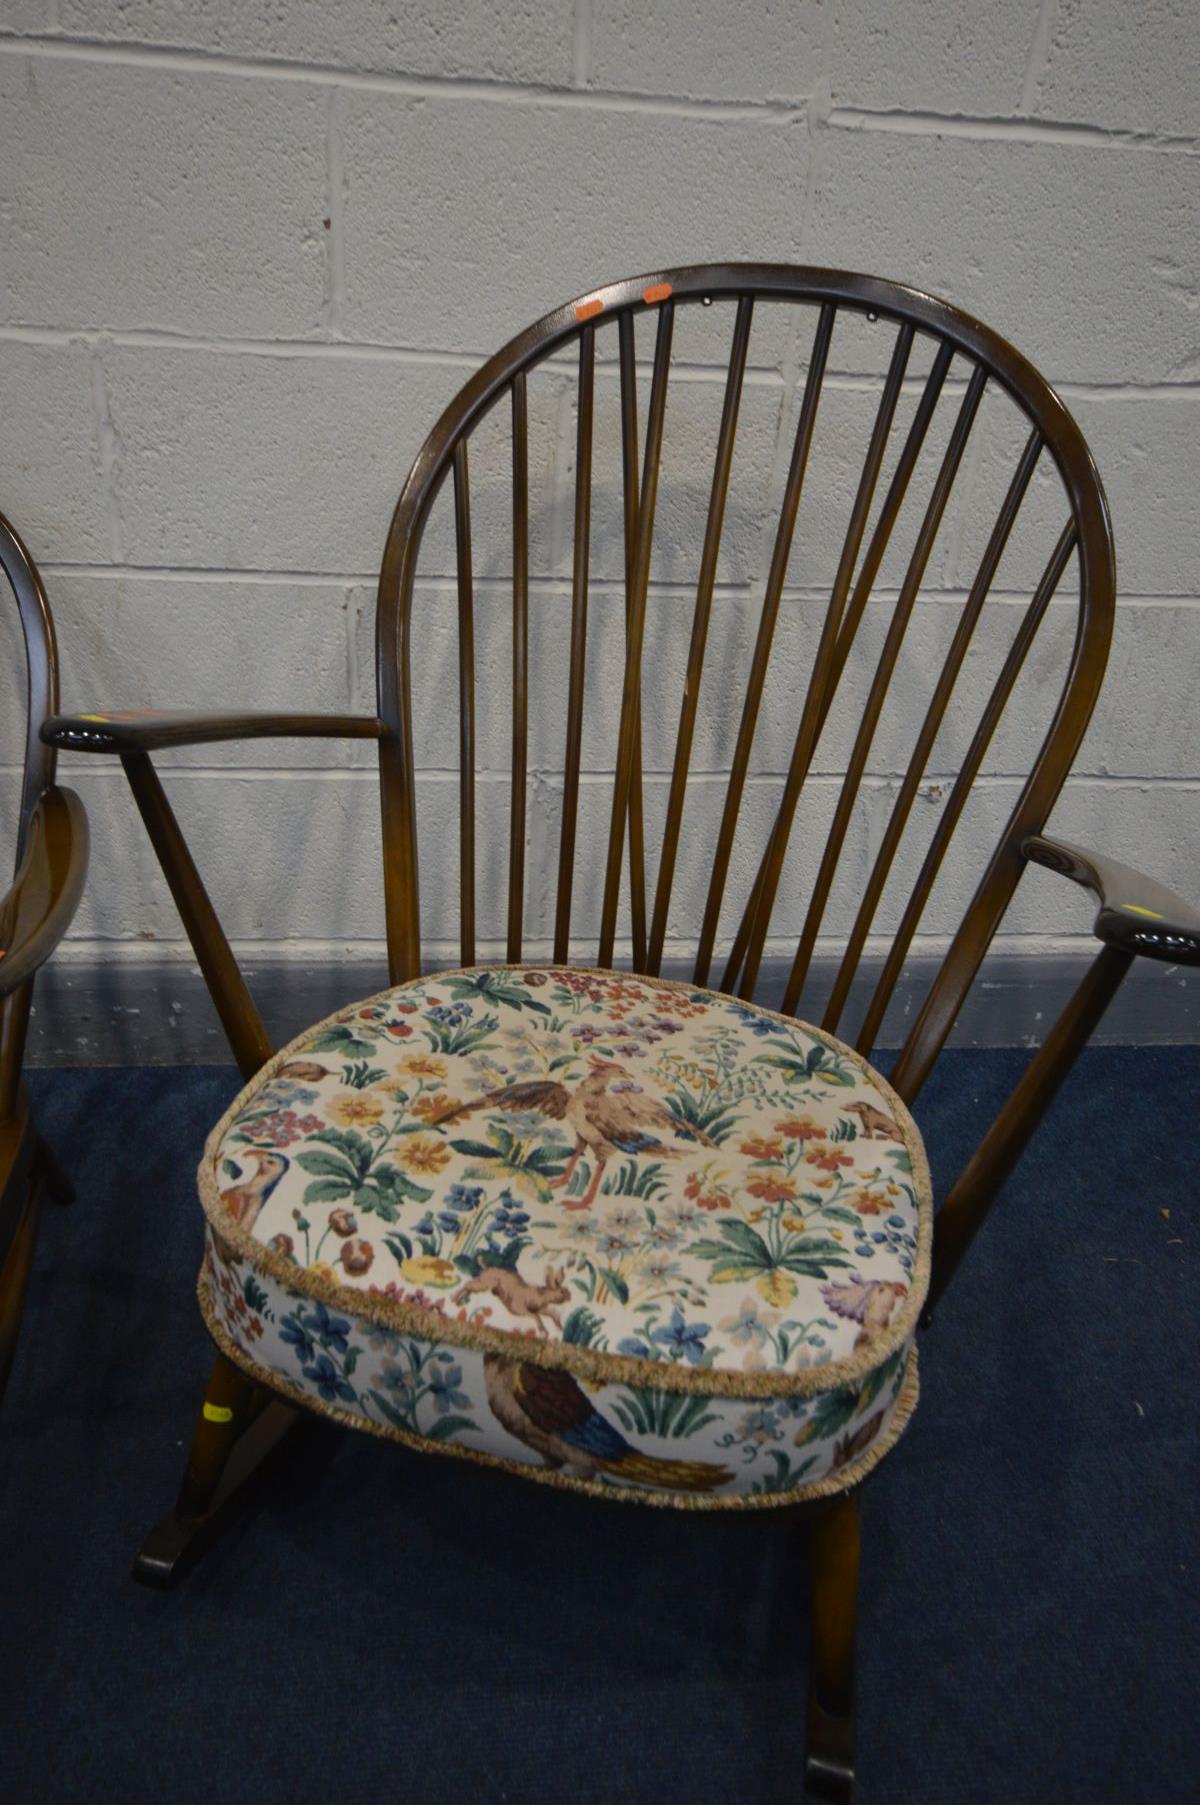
(387, 1626)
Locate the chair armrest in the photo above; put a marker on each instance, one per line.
(38, 909)
(1136, 914)
(148, 730)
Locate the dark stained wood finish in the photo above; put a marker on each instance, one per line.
(833, 1606)
(241, 1430)
(762, 645)
(240, 1019)
(578, 655)
(951, 813)
(520, 667)
(828, 680)
(704, 594)
(1136, 915)
(965, 1209)
(45, 893)
(822, 680)
(954, 335)
(875, 698)
(41, 666)
(631, 696)
(466, 704)
(630, 485)
(149, 730)
(35, 913)
(935, 714)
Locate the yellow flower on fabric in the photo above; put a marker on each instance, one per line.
(795, 1225)
(778, 1288)
(427, 1269)
(423, 1065)
(434, 1106)
(324, 1271)
(357, 1111)
(420, 1154)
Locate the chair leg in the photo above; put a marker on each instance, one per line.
(241, 1428)
(14, 1275)
(833, 1557)
(45, 1178)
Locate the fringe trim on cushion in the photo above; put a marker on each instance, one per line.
(588, 1363)
(833, 1484)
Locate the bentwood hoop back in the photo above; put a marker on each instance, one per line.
(982, 357)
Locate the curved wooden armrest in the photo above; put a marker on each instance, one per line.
(149, 730)
(38, 909)
(1136, 914)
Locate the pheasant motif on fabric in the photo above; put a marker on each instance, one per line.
(548, 1410)
(608, 1112)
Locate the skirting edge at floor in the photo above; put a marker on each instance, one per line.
(159, 1013)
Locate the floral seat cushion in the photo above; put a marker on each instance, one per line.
(625, 1234)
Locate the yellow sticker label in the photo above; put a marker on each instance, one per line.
(218, 1413)
(1137, 909)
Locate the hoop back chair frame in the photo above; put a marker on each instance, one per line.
(1136, 916)
(51, 864)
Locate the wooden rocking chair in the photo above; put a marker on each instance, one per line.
(395, 1182)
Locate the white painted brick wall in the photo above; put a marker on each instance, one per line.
(248, 253)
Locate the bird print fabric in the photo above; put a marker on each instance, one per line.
(640, 1183)
(549, 1412)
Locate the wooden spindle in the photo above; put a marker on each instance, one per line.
(466, 704)
(957, 799)
(631, 692)
(879, 687)
(762, 646)
(520, 667)
(943, 689)
(704, 593)
(578, 653)
(630, 486)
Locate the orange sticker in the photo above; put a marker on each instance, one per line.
(660, 291)
(587, 310)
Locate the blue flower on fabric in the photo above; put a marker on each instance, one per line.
(293, 1332)
(330, 1331)
(509, 1220)
(756, 1023)
(450, 1015)
(445, 1387)
(631, 1345)
(683, 1341)
(329, 1382)
(463, 1198)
